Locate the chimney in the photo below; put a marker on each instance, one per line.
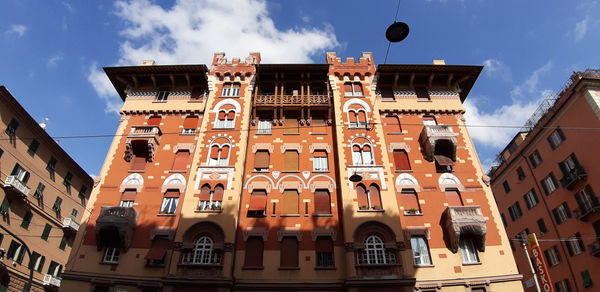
(439, 62)
(148, 63)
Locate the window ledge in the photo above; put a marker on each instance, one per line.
(290, 171)
(368, 210)
(108, 263)
(195, 101)
(289, 268)
(187, 134)
(154, 265)
(322, 215)
(413, 214)
(252, 268)
(177, 171)
(424, 100)
(201, 266)
(216, 166)
(395, 133)
(260, 171)
(135, 171)
(291, 134)
(320, 171)
(424, 266)
(165, 215)
(208, 211)
(471, 264)
(289, 215)
(158, 101)
(228, 96)
(403, 171)
(325, 268)
(319, 133)
(264, 134)
(223, 128)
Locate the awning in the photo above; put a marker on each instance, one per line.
(158, 250)
(443, 160)
(258, 203)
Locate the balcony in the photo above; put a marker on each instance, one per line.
(572, 177)
(438, 140)
(13, 183)
(142, 139)
(210, 206)
(51, 280)
(144, 132)
(586, 213)
(70, 224)
(291, 100)
(595, 248)
(114, 227)
(465, 221)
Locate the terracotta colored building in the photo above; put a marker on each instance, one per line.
(44, 195)
(545, 185)
(340, 176)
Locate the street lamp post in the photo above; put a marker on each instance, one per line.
(27, 286)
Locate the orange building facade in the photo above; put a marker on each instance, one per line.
(545, 185)
(340, 176)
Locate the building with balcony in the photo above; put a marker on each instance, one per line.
(546, 184)
(44, 194)
(340, 176)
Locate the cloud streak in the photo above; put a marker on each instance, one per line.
(17, 29)
(497, 69)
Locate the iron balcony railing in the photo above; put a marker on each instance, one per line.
(573, 176)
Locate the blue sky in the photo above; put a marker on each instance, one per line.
(52, 51)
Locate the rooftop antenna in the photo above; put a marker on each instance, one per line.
(396, 32)
(44, 124)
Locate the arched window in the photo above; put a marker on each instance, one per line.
(211, 199)
(368, 200)
(375, 251)
(226, 117)
(202, 253)
(362, 155)
(219, 155)
(361, 118)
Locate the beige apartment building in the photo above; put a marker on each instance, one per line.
(44, 193)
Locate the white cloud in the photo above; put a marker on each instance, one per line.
(67, 6)
(18, 29)
(104, 88)
(53, 61)
(497, 69)
(192, 31)
(581, 28)
(529, 87)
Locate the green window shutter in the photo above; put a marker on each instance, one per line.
(63, 243)
(46, 232)
(26, 220)
(587, 279)
(5, 207)
(42, 262)
(21, 255)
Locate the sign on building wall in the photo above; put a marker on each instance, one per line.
(539, 264)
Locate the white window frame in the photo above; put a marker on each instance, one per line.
(320, 163)
(561, 211)
(361, 157)
(162, 95)
(549, 183)
(420, 251)
(556, 139)
(574, 245)
(230, 91)
(586, 198)
(375, 250)
(21, 173)
(353, 93)
(468, 251)
(169, 205)
(530, 199)
(264, 127)
(553, 259)
(218, 161)
(38, 261)
(111, 255)
(127, 203)
(203, 253)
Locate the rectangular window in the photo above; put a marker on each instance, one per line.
(37, 261)
(520, 173)
(181, 160)
(290, 202)
(422, 94)
(231, 89)
(39, 191)
(549, 184)
(575, 245)
(290, 161)
(353, 89)
(322, 202)
(515, 211)
(11, 130)
(162, 95)
(63, 243)
(26, 220)
(561, 213)
(556, 138)
(324, 252)
(429, 121)
(290, 125)
(401, 161)
(552, 257)
(542, 225)
(169, 205)
(54, 269)
(258, 203)
(587, 279)
(264, 127)
(503, 219)
(51, 167)
(320, 161)
(453, 197)
(261, 160)
(522, 236)
(20, 173)
(468, 251)
(74, 213)
(288, 252)
(16, 252)
(531, 199)
(569, 166)
(535, 158)
(57, 203)
(254, 252)
(586, 199)
(68, 180)
(189, 125)
(33, 147)
(506, 187)
(46, 232)
(111, 255)
(1, 152)
(411, 202)
(420, 251)
(391, 124)
(5, 207)
(562, 286)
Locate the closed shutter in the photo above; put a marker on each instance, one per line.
(348, 88)
(258, 200)
(221, 115)
(128, 195)
(352, 117)
(290, 202)
(290, 161)
(231, 115)
(172, 194)
(158, 250)
(254, 252)
(358, 89)
(214, 152)
(375, 197)
(392, 124)
(324, 244)
(154, 121)
(361, 116)
(205, 193)
(322, 202)
(356, 155)
(453, 198)
(291, 125)
(401, 160)
(367, 155)
(190, 123)
(410, 199)
(225, 152)
(289, 252)
(181, 160)
(218, 193)
(138, 163)
(361, 195)
(261, 159)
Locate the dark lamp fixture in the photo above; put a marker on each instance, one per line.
(355, 177)
(397, 32)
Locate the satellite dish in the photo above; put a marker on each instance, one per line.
(397, 32)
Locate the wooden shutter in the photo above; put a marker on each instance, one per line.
(361, 116)
(231, 115)
(358, 89)
(322, 202)
(411, 200)
(374, 196)
(181, 160)
(261, 159)
(453, 198)
(401, 160)
(172, 194)
(324, 244)
(289, 252)
(347, 87)
(361, 195)
(128, 195)
(205, 193)
(218, 193)
(290, 160)
(214, 152)
(138, 163)
(225, 152)
(221, 115)
(258, 200)
(154, 121)
(254, 252)
(392, 124)
(352, 117)
(290, 202)
(291, 125)
(190, 123)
